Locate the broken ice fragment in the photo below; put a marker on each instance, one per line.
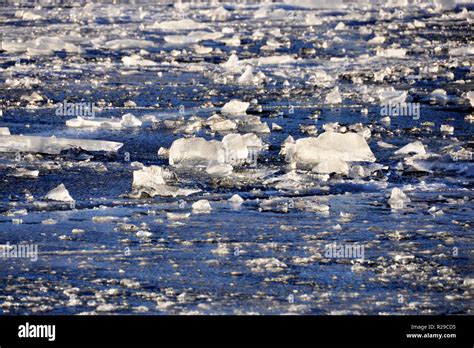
(334, 97)
(414, 147)
(398, 199)
(202, 206)
(53, 145)
(60, 194)
(331, 166)
(196, 152)
(235, 107)
(347, 147)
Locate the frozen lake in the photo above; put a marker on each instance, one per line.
(124, 247)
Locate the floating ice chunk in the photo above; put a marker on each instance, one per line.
(219, 14)
(315, 4)
(144, 234)
(127, 121)
(439, 95)
(177, 216)
(53, 145)
(398, 199)
(120, 44)
(217, 169)
(247, 77)
(25, 173)
(153, 182)
(340, 26)
(444, 128)
(414, 147)
(224, 125)
(41, 45)
(445, 5)
(4, 131)
(276, 127)
(193, 37)
(334, 97)
(266, 265)
(235, 107)
(470, 97)
(236, 199)
(347, 147)
(136, 60)
(130, 121)
(149, 177)
(32, 98)
(202, 206)
(238, 148)
(463, 51)
(27, 15)
(391, 52)
(181, 24)
(232, 63)
(196, 152)
(392, 96)
(385, 145)
(60, 194)
(331, 166)
(271, 60)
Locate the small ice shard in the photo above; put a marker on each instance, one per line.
(276, 127)
(439, 96)
(196, 152)
(236, 199)
(266, 265)
(238, 148)
(444, 128)
(398, 199)
(470, 97)
(127, 121)
(136, 60)
(340, 26)
(223, 126)
(27, 15)
(130, 121)
(385, 120)
(144, 234)
(247, 78)
(347, 147)
(153, 182)
(391, 52)
(4, 131)
(235, 107)
(202, 206)
(232, 63)
(163, 152)
(177, 216)
(150, 177)
(193, 37)
(121, 44)
(392, 96)
(60, 194)
(25, 173)
(217, 169)
(384, 145)
(331, 166)
(181, 24)
(53, 145)
(32, 98)
(414, 147)
(334, 97)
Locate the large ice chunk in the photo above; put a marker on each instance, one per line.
(235, 107)
(347, 147)
(60, 194)
(53, 145)
(196, 152)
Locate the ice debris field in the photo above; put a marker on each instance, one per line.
(301, 157)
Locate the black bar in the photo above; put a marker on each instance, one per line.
(291, 330)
